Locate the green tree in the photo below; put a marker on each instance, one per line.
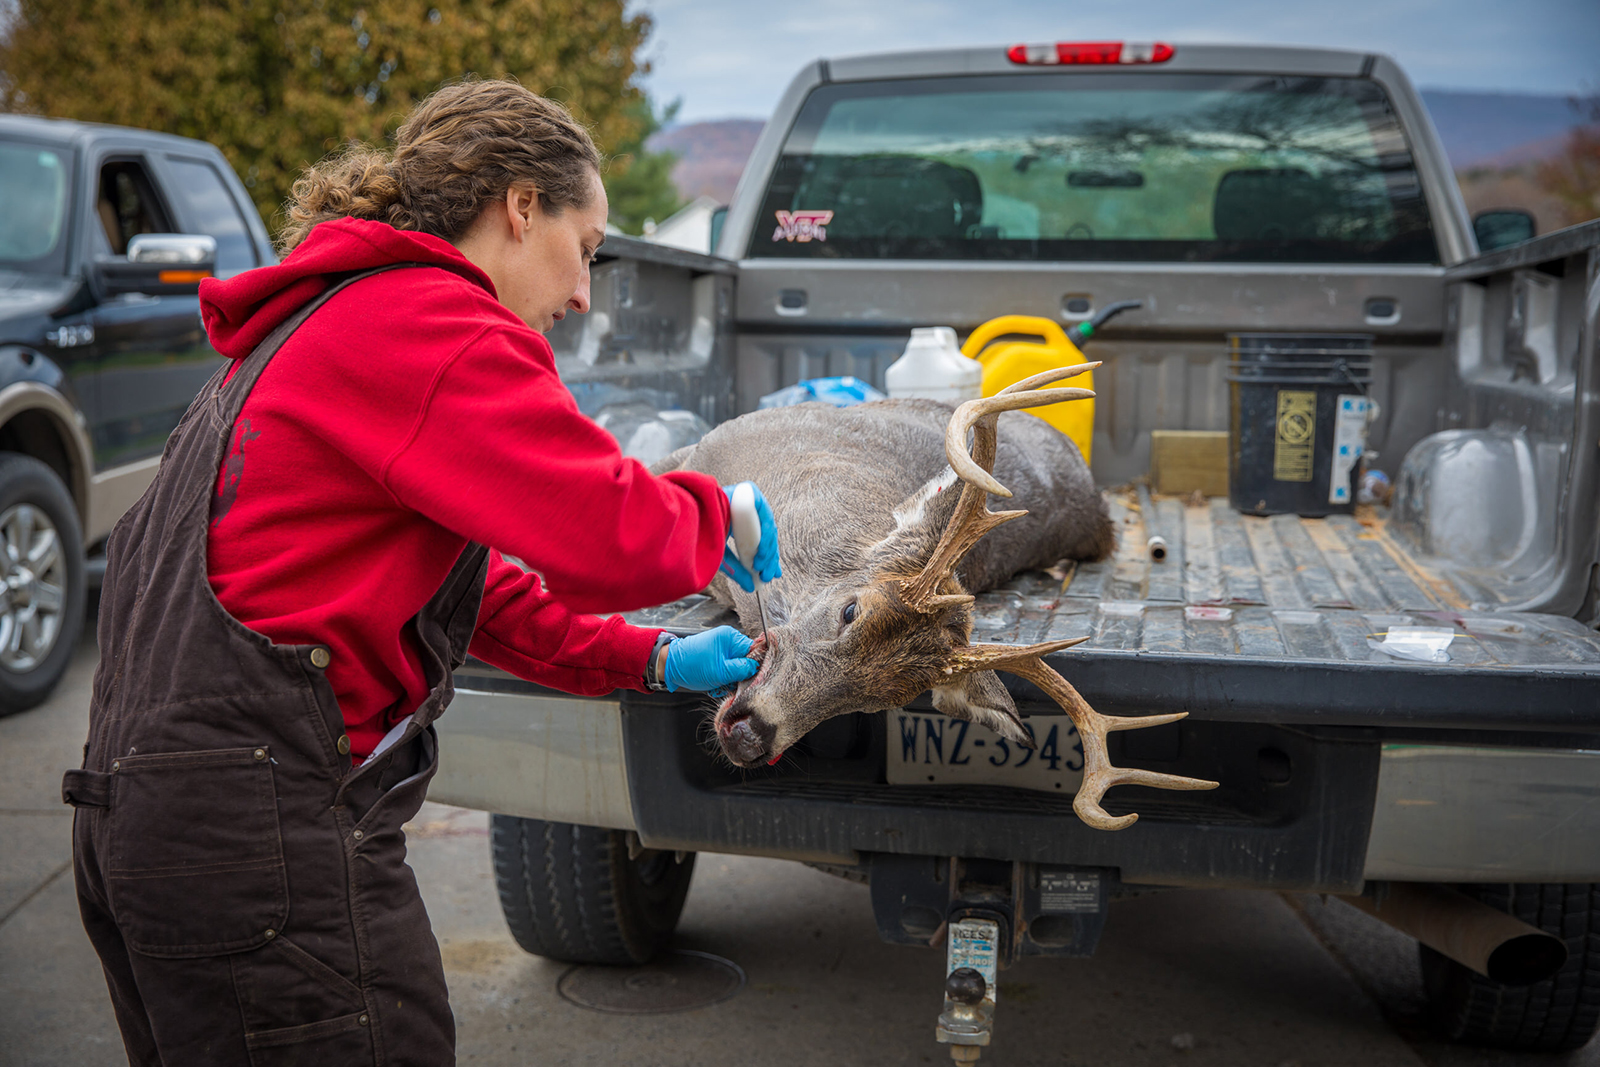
(639, 182)
(278, 84)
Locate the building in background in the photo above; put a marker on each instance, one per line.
(689, 228)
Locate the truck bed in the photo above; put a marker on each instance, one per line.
(1284, 586)
(1216, 628)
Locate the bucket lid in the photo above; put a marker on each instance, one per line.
(1301, 345)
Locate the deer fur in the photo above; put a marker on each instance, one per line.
(861, 496)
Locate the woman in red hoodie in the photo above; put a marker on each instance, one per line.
(326, 540)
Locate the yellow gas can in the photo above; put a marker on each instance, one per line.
(1007, 362)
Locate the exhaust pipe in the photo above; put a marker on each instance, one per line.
(1498, 946)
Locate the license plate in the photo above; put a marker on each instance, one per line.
(926, 748)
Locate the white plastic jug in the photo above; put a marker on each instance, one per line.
(933, 367)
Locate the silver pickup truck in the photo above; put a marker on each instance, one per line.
(1229, 190)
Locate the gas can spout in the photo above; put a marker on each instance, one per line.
(1084, 330)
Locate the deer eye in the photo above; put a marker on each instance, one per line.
(849, 615)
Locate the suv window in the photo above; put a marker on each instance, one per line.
(210, 209)
(1098, 166)
(127, 204)
(33, 189)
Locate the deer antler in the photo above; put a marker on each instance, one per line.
(971, 520)
(1098, 772)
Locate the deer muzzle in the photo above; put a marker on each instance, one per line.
(744, 739)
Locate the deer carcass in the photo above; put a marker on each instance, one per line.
(881, 557)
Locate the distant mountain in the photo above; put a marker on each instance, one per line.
(1479, 130)
(711, 155)
(1498, 129)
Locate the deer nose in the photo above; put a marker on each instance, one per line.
(743, 743)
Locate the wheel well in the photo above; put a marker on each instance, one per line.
(35, 433)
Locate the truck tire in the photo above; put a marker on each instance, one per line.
(1556, 1015)
(571, 892)
(41, 567)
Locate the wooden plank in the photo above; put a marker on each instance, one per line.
(1182, 461)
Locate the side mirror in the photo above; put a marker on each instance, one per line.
(1502, 228)
(158, 264)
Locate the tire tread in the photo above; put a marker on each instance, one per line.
(568, 893)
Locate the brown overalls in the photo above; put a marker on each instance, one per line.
(246, 890)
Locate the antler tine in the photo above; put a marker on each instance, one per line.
(1098, 773)
(982, 414)
(1054, 374)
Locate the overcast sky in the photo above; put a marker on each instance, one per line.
(734, 57)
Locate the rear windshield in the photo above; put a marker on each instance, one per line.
(1098, 166)
(33, 207)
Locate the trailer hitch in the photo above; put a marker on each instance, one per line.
(967, 1022)
(986, 913)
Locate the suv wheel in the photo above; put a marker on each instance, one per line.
(42, 595)
(571, 892)
(1556, 1015)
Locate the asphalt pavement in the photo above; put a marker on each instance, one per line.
(1181, 979)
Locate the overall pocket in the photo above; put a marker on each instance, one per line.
(297, 1010)
(196, 860)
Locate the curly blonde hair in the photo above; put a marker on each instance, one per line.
(457, 152)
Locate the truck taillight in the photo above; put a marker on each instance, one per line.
(1086, 52)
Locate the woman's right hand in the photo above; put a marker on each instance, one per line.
(766, 560)
(710, 662)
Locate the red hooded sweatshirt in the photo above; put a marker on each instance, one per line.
(408, 415)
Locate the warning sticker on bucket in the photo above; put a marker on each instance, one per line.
(1297, 436)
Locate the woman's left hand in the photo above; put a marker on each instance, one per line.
(709, 662)
(766, 560)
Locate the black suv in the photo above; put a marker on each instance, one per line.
(104, 235)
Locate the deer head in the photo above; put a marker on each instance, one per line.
(875, 636)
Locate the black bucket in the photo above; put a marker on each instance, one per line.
(1299, 408)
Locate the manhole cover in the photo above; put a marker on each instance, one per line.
(680, 980)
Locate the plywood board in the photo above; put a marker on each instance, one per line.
(1182, 461)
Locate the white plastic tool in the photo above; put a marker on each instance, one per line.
(746, 538)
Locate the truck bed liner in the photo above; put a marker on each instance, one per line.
(1282, 586)
(1240, 599)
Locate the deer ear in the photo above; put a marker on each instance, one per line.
(920, 519)
(981, 697)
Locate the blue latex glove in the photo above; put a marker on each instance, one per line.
(766, 560)
(710, 662)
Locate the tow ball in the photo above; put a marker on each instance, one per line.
(967, 1021)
